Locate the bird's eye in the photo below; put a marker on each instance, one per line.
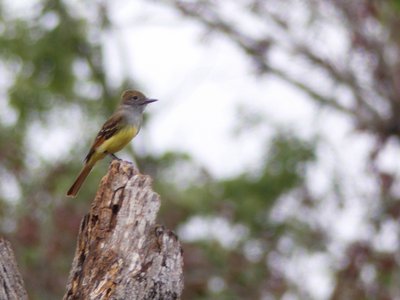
(135, 97)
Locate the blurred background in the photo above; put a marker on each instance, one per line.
(274, 146)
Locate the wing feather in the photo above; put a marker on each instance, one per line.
(110, 128)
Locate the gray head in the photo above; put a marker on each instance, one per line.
(135, 99)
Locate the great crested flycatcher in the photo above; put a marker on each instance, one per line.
(116, 133)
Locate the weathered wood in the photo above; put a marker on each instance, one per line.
(11, 283)
(121, 253)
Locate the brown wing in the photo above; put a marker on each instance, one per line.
(110, 127)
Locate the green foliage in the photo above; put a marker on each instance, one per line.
(284, 168)
(396, 4)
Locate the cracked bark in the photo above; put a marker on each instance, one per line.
(121, 253)
(11, 283)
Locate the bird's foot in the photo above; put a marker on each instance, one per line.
(114, 156)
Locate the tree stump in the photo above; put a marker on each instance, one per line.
(11, 283)
(121, 253)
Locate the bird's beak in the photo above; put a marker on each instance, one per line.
(148, 101)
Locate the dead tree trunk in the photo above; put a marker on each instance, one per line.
(11, 283)
(121, 253)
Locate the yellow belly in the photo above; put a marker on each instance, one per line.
(118, 141)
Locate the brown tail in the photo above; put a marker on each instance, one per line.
(74, 189)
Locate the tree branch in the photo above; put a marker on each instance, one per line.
(121, 253)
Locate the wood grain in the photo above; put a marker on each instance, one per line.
(11, 283)
(121, 253)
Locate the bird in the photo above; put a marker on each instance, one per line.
(123, 125)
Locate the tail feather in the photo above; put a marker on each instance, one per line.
(74, 189)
